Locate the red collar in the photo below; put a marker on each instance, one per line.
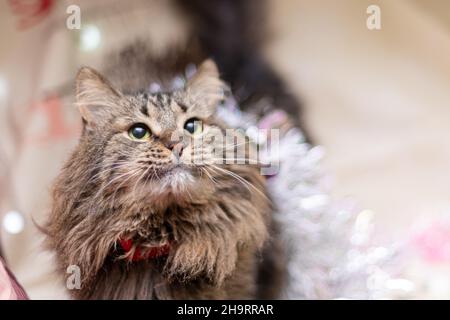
(151, 253)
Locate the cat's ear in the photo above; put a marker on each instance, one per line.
(95, 97)
(205, 88)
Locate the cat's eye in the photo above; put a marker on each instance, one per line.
(139, 132)
(193, 126)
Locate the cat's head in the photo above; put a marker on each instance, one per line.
(160, 144)
(151, 167)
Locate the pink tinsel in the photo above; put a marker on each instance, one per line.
(433, 242)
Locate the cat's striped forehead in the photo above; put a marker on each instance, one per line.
(99, 102)
(154, 104)
(161, 110)
(162, 101)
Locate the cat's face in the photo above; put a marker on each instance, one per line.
(164, 145)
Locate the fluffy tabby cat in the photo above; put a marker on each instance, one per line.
(129, 181)
(141, 222)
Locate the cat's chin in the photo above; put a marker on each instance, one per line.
(178, 179)
(176, 184)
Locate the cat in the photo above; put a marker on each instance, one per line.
(143, 221)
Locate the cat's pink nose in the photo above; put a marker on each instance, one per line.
(176, 148)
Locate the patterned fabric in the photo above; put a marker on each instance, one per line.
(10, 289)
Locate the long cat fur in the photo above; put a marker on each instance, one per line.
(218, 226)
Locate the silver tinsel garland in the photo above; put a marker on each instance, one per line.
(330, 242)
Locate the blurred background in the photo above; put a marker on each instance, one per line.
(377, 100)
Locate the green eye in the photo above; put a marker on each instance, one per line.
(139, 132)
(193, 126)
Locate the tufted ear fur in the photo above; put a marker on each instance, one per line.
(95, 96)
(205, 88)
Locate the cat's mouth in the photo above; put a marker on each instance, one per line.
(177, 170)
(177, 175)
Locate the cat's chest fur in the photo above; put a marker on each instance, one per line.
(145, 280)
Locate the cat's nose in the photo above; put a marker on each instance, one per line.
(176, 148)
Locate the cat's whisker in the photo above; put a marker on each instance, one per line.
(205, 170)
(102, 188)
(240, 179)
(156, 173)
(107, 170)
(109, 164)
(148, 174)
(117, 178)
(144, 173)
(99, 179)
(227, 146)
(135, 172)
